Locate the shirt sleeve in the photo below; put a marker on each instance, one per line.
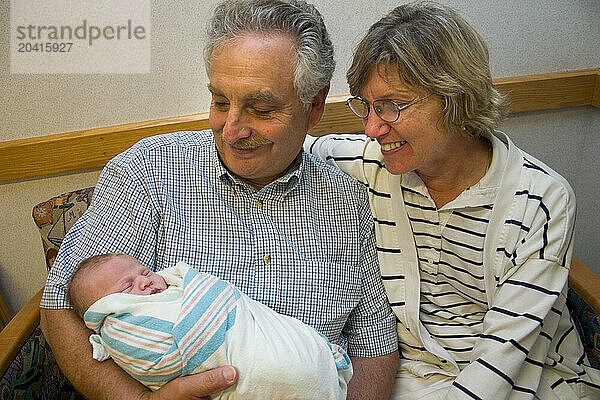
(371, 327)
(350, 153)
(524, 327)
(122, 217)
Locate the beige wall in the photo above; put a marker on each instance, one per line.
(524, 38)
(22, 263)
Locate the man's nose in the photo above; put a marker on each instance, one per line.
(375, 126)
(236, 127)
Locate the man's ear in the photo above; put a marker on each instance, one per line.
(317, 107)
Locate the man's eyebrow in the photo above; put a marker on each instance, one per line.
(214, 90)
(266, 97)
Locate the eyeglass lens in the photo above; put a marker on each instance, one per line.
(385, 109)
(359, 107)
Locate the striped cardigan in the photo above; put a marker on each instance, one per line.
(528, 345)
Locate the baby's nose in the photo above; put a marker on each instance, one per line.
(143, 282)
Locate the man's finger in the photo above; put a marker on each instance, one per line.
(215, 380)
(197, 386)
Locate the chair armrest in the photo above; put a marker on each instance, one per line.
(586, 284)
(5, 314)
(18, 330)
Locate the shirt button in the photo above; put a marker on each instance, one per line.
(259, 204)
(267, 258)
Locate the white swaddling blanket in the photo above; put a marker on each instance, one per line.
(201, 322)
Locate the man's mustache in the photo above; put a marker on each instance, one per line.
(251, 142)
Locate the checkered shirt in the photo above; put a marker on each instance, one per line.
(303, 245)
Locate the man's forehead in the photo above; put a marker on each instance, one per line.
(262, 95)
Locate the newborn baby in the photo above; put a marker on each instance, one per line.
(158, 326)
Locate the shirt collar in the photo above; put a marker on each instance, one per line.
(493, 176)
(483, 192)
(283, 184)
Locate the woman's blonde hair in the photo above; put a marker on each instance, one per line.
(432, 47)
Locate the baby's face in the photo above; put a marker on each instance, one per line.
(125, 274)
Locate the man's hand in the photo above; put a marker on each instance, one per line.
(68, 338)
(197, 386)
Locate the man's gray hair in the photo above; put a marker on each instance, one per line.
(300, 20)
(434, 48)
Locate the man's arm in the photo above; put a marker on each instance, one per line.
(371, 326)
(373, 377)
(68, 338)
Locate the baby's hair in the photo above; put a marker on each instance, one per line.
(82, 271)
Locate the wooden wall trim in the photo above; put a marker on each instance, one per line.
(550, 91)
(92, 148)
(596, 97)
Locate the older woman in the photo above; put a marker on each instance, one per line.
(474, 235)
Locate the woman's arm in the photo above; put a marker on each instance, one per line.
(354, 154)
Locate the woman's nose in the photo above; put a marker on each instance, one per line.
(375, 126)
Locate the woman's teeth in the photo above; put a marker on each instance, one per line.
(392, 146)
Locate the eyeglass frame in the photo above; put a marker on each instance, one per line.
(372, 104)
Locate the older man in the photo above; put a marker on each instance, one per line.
(244, 203)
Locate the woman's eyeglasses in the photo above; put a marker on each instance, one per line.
(387, 110)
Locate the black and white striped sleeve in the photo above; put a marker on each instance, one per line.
(347, 152)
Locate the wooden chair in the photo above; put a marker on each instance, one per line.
(27, 366)
(583, 301)
(5, 314)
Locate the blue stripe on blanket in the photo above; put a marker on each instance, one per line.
(210, 347)
(341, 358)
(208, 320)
(94, 317)
(154, 379)
(146, 321)
(138, 353)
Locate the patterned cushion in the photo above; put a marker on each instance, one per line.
(34, 374)
(56, 216)
(587, 323)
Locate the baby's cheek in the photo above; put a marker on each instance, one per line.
(162, 282)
